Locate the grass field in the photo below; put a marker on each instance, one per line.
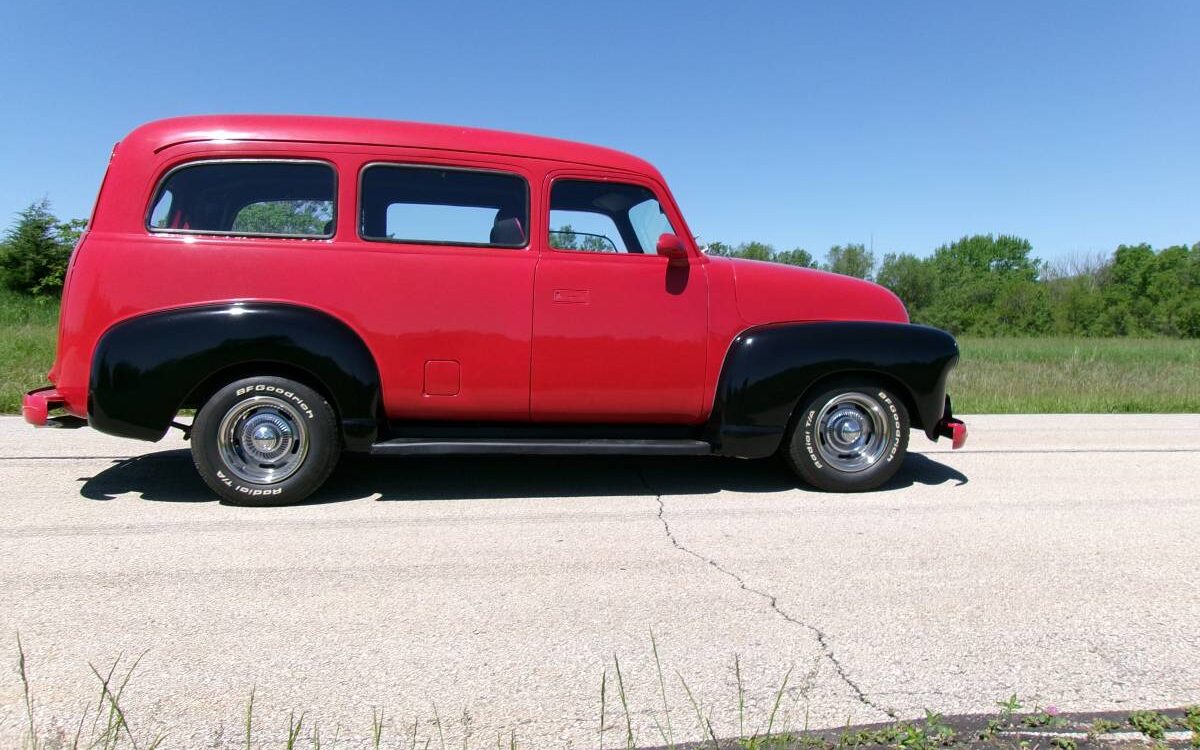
(1075, 375)
(27, 331)
(1046, 375)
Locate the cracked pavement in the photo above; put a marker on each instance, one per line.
(1056, 557)
(773, 603)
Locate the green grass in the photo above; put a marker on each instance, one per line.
(1000, 376)
(1076, 375)
(27, 331)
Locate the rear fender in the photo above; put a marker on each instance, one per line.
(144, 368)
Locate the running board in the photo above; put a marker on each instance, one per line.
(540, 446)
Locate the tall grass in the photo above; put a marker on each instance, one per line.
(27, 338)
(111, 727)
(1074, 375)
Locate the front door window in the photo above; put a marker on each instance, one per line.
(605, 217)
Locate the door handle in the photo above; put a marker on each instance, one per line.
(572, 296)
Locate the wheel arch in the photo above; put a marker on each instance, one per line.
(146, 368)
(883, 379)
(207, 388)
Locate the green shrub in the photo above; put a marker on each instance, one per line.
(36, 250)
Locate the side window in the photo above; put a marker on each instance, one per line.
(584, 230)
(247, 198)
(605, 217)
(437, 206)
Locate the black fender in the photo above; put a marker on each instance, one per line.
(767, 370)
(146, 368)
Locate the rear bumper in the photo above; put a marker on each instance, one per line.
(952, 428)
(37, 405)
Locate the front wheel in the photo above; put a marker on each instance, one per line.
(849, 438)
(265, 441)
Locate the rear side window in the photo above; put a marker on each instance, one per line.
(432, 205)
(247, 198)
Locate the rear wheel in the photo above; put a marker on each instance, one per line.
(849, 438)
(265, 441)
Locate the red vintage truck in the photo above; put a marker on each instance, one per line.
(311, 285)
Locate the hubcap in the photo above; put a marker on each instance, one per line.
(853, 432)
(266, 436)
(263, 440)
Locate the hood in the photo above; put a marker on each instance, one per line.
(778, 293)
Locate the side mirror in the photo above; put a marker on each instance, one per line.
(672, 248)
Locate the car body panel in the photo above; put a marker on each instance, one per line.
(773, 292)
(475, 313)
(618, 328)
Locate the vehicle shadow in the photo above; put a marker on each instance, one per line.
(169, 476)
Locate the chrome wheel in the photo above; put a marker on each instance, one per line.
(263, 440)
(853, 432)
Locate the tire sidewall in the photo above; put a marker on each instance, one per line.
(807, 461)
(320, 428)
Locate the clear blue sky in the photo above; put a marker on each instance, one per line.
(1076, 125)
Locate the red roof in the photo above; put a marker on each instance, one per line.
(161, 134)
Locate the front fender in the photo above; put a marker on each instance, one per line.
(768, 369)
(145, 367)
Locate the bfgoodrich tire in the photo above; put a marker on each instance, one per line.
(265, 441)
(848, 438)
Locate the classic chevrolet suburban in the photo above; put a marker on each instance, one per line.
(311, 285)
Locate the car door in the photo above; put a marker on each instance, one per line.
(451, 282)
(619, 332)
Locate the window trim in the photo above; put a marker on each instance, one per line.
(358, 225)
(161, 185)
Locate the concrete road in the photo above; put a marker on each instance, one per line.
(1057, 557)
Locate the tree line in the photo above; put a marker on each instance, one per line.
(985, 285)
(982, 285)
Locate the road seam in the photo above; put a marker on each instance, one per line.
(771, 600)
(69, 458)
(1050, 451)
